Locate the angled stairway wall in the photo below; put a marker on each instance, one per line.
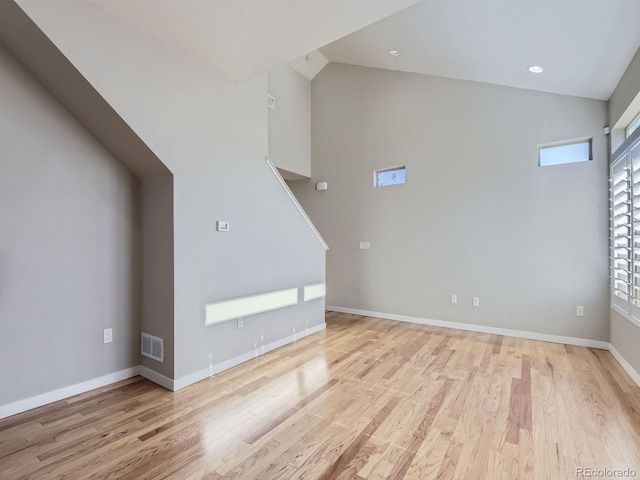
(211, 136)
(69, 249)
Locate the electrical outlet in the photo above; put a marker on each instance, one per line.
(454, 299)
(475, 301)
(108, 335)
(240, 322)
(579, 311)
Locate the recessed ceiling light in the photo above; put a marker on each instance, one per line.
(536, 69)
(394, 53)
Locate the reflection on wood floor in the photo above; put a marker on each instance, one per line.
(368, 398)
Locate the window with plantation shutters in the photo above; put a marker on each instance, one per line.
(625, 230)
(634, 162)
(621, 250)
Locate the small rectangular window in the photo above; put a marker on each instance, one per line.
(390, 176)
(573, 151)
(633, 126)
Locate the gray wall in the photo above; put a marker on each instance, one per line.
(69, 246)
(626, 91)
(212, 135)
(625, 104)
(290, 122)
(625, 338)
(477, 216)
(157, 268)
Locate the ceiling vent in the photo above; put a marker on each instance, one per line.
(152, 347)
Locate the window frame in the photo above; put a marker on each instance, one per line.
(633, 126)
(566, 143)
(389, 169)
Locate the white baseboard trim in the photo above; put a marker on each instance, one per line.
(633, 373)
(156, 377)
(65, 392)
(60, 394)
(544, 337)
(194, 377)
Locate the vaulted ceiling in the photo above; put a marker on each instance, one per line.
(238, 38)
(583, 45)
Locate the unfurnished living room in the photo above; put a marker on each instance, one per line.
(319, 239)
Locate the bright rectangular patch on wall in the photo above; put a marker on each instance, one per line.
(572, 151)
(224, 310)
(390, 176)
(313, 292)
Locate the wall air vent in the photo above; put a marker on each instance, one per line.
(152, 347)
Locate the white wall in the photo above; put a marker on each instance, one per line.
(477, 216)
(69, 247)
(212, 135)
(290, 122)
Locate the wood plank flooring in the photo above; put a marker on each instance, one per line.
(367, 399)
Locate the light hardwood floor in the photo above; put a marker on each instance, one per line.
(368, 398)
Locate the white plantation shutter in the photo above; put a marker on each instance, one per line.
(624, 191)
(634, 163)
(621, 238)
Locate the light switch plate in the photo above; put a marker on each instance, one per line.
(108, 335)
(365, 245)
(222, 226)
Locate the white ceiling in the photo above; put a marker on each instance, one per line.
(241, 38)
(584, 45)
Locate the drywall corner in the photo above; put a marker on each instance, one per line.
(625, 338)
(290, 122)
(157, 268)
